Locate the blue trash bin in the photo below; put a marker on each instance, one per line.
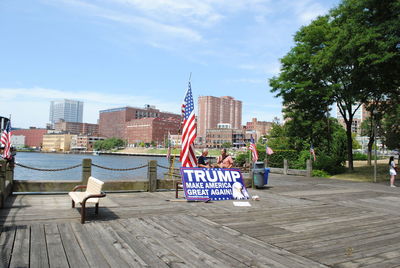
(266, 172)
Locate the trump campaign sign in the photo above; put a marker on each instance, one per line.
(213, 184)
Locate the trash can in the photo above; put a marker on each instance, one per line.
(266, 173)
(258, 174)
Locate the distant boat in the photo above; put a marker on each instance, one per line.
(96, 153)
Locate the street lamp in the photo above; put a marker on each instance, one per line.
(375, 112)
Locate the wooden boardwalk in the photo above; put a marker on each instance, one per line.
(298, 222)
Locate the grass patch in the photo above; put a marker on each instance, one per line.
(364, 173)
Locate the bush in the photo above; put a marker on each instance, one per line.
(320, 173)
(330, 164)
(359, 156)
(241, 159)
(276, 159)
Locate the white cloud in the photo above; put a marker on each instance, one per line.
(148, 26)
(307, 10)
(271, 68)
(30, 106)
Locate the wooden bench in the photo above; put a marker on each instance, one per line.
(91, 195)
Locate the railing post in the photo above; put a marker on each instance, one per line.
(10, 172)
(152, 175)
(3, 164)
(86, 170)
(285, 166)
(309, 168)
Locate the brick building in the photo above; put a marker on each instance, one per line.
(151, 129)
(261, 128)
(77, 128)
(84, 142)
(113, 122)
(214, 110)
(33, 136)
(215, 137)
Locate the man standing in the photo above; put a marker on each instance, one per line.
(202, 161)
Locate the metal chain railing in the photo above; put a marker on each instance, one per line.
(119, 169)
(48, 169)
(164, 167)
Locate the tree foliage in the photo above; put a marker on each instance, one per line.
(348, 57)
(108, 144)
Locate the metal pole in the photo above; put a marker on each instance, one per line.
(376, 155)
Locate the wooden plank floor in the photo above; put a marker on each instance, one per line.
(298, 222)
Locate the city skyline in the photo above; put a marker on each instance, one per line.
(136, 52)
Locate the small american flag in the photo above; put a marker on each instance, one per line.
(6, 141)
(188, 157)
(253, 150)
(268, 150)
(312, 152)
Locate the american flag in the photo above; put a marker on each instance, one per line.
(6, 141)
(253, 149)
(268, 150)
(188, 157)
(312, 152)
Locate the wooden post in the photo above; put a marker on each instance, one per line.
(152, 175)
(3, 164)
(285, 166)
(309, 168)
(10, 172)
(86, 170)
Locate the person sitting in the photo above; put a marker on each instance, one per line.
(202, 160)
(224, 160)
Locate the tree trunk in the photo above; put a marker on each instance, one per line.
(370, 143)
(349, 145)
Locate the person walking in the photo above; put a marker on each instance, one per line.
(392, 171)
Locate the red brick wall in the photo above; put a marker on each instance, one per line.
(33, 137)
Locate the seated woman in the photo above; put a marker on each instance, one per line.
(224, 160)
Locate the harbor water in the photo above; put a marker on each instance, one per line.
(55, 161)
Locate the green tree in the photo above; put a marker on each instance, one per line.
(348, 57)
(226, 145)
(108, 144)
(391, 127)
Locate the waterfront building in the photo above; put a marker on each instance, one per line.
(216, 137)
(113, 122)
(57, 142)
(149, 130)
(216, 110)
(84, 142)
(67, 110)
(77, 128)
(261, 128)
(18, 141)
(33, 136)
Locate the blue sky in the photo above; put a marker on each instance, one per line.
(134, 52)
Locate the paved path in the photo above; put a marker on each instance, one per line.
(298, 222)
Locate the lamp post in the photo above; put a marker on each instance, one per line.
(375, 138)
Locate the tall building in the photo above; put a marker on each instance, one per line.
(214, 111)
(67, 110)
